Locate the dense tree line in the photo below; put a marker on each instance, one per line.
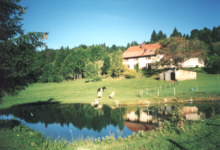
(79, 62)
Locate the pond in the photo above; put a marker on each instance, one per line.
(76, 121)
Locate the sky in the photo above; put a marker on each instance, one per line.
(75, 22)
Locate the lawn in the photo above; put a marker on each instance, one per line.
(126, 90)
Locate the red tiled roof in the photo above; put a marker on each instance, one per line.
(142, 50)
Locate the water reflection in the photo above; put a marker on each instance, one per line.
(72, 121)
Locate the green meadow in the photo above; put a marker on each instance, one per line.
(127, 91)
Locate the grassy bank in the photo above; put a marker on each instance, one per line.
(203, 134)
(206, 86)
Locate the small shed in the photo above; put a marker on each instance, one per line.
(174, 74)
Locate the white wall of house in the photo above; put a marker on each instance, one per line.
(142, 61)
(193, 62)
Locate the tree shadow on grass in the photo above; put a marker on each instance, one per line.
(48, 102)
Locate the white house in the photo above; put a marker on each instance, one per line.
(142, 55)
(193, 62)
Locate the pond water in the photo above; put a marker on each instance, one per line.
(76, 121)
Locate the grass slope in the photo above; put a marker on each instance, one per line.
(127, 90)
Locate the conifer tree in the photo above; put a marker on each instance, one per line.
(17, 50)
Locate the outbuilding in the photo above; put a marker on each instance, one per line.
(174, 74)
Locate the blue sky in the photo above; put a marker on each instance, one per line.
(74, 22)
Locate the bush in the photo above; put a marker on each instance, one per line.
(96, 79)
(212, 64)
(130, 73)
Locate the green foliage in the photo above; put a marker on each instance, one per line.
(157, 37)
(216, 34)
(96, 79)
(206, 35)
(17, 56)
(90, 71)
(194, 34)
(137, 68)
(213, 63)
(130, 73)
(150, 71)
(177, 49)
(10, 19)
(153, 38)
(96, 53)
(176, 33)
(106, 66)
(117, 68)
(17, 62)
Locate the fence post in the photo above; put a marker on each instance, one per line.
(174, 91)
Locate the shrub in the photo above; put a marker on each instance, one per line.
(96, 79)
(130, 73)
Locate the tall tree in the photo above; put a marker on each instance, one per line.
(10, 19)
(96, 53)
(17, 51)
(194, 34)
(216, 34)
(153, 38)
(117, 68)
(176, 33)
(106, 65)
(177, 49)
(205, 35)
(161, 36)
(90, 71)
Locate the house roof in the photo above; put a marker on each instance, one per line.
(142, 50)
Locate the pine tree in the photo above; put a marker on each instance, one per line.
(176, 33)
(17, 51)
(153, 38)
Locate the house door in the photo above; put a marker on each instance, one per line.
(173, 76)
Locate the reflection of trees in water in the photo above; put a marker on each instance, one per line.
(80, 115)
(85, 116)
